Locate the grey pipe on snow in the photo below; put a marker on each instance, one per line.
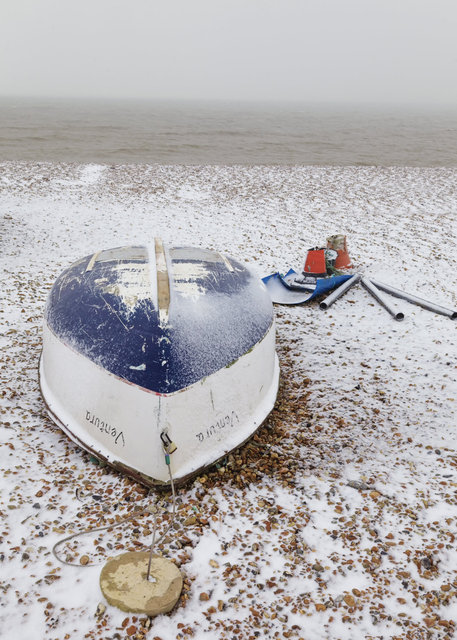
(377, 295)
(430, 306)
(329, 300)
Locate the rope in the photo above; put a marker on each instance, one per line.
(84, 533)
(153, 543)
(118, 524)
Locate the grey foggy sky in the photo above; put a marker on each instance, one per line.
(378, 51)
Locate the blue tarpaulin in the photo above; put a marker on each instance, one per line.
(281, 293)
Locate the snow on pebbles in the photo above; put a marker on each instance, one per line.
(338, 518)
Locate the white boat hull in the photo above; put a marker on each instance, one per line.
(120, 422)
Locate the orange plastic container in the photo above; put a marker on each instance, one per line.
(315, 262)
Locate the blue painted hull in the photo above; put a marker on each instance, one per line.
(228, 314)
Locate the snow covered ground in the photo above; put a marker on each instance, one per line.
(338, 520)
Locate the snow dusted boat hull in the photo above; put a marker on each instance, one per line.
(141, 346)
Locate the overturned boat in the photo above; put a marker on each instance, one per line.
(144, 347)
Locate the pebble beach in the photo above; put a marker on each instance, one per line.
(338, 518)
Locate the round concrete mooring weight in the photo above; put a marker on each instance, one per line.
(123, 581)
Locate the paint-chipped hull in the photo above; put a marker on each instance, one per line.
(137, 344)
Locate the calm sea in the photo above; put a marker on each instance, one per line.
(219, 133)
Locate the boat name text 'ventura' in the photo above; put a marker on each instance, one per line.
(105, 427)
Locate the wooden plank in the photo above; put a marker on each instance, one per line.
(226, 262)
(163, 281)
(92, 261)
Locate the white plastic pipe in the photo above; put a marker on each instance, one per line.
(337, 293)
(430, 306)
(377, 295)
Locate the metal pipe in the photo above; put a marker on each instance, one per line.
(337, 293)
(377, 295)
(430, 306)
